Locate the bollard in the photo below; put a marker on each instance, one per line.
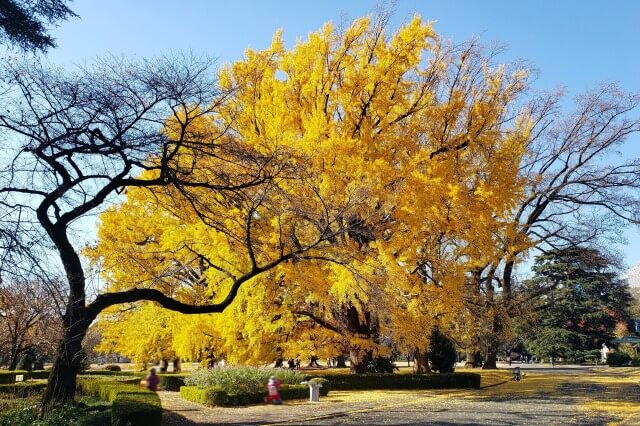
(314, 390)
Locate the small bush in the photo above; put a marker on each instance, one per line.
(112, 367)
(241, 379)
(441, 353)
(135, 408)
(618, 358)
(380, 365)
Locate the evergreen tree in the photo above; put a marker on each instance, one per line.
(577, 301)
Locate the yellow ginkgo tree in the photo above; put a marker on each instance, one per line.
(394, 164)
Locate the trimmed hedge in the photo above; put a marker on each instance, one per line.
(23, 389)
(136, 408)
(112, 367)
(215, 396)
(171, 382)
(8, 377)
(112, 373)
(131, 404)
(403, 381)
(106, 388)
(39, 374)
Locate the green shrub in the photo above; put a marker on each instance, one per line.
(171, 382)
(618, 358)
(136, 408)
(40, 374)
(441, 353)
(25, 363)
(217, 397)
(23, 389)
(111, 373)
(241, 379)
(112, 367)
(38, 364)
(196, 394)
(403, 381)
(27, 415)
(107, 388)
(380, 365)
(132, 404)
(326, 385)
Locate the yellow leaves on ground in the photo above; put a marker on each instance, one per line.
(381, 167)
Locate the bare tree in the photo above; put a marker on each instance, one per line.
(578, 190)
(30, 320)
(74, 142)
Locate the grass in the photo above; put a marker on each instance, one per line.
(24, 412)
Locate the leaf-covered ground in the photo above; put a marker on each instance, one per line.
(598, 396)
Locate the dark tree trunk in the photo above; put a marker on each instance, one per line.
(164, 365)
(341, 361)
(359, 360)
(474, 359)
(61, 387)
(492, 358)
(420, 362)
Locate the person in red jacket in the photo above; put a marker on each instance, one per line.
(152, 380)
(273, 391)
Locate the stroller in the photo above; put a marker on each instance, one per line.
(517, 375)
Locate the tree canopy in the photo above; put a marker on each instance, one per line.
(23, 23)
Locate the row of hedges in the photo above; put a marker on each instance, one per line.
(215, 396)
(168, 381)
(8, 377)
(403, 381)
(23, 389)
(131, 404)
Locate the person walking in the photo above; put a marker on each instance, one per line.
(152, 380)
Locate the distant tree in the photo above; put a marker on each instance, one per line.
(23, 23)
(577, 301)
(30, 321)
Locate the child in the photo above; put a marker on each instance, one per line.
(152, 380)
(273, 391)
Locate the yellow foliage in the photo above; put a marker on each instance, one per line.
(393, 163)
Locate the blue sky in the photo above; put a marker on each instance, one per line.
(574, 44)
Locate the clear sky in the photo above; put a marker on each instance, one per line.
(574, 43)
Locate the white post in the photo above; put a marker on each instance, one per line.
(314, 390)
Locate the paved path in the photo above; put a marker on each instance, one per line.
(397, 408)
(497, 403)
